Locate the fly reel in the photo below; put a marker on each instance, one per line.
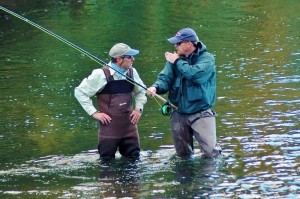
(166, 109)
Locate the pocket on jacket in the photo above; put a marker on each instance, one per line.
(194, 93)
(174, 91)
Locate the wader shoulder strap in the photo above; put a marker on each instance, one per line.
(108, 76)
(130, 76)
(130, 73)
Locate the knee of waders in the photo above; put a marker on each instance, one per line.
(106, 155)
(106, 158)
(134, 154)
(213, 154)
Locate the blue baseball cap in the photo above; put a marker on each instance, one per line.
(185, 34)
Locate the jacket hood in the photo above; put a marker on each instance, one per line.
(201, 46)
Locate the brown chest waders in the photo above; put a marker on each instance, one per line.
(116, 100)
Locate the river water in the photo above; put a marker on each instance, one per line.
(48, 143)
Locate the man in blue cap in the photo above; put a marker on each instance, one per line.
(190, 78)
(115, 94)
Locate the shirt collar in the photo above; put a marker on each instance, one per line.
(117, 68)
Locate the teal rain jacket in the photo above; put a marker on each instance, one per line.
(190, 81)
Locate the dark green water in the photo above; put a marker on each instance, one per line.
(48, 142)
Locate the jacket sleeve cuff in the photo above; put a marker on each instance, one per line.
(156, 87)
(91, 111)
(175, 62)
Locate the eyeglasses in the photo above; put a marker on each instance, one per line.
(179, 43)
(127, 56)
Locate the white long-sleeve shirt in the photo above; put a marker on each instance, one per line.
(97, 81)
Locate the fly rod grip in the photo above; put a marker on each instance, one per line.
(164, 100)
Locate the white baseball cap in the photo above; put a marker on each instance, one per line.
(121, 49)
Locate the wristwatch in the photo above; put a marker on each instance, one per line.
(141, 110)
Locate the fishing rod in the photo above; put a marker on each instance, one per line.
(165, 108)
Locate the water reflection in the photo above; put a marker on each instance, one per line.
(157, 174)
(197, 177)
(45, 136)
(119, 178)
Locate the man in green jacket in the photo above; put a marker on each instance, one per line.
(190, 78)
